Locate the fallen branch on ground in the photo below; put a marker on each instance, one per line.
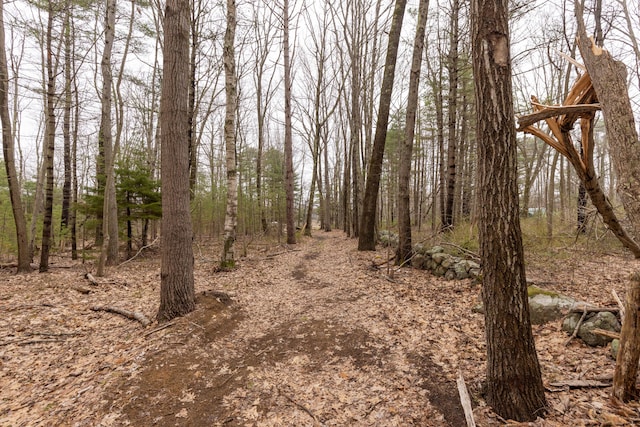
(605, 333)
(161, 327)
(465, 400)
(126, 313)
(304, 408)
(581, 384)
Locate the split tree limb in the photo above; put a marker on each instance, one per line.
(126, 313)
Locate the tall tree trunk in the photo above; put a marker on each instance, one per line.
(366, 237)
(109, 220)
(452, 116)
(326, 212)
(50, 143)
(288, 131)
(8, 153)
(229, 57)
(405, 249)
(66, 126)
(177, 293)
(514, 382)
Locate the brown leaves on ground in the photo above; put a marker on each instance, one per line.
(312, 336)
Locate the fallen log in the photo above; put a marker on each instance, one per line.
(126, 313)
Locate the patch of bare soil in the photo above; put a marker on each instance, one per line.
(309, 335)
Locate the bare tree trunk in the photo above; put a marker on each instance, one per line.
(366, 237)
(514, 382)
(109, 228)
(50, 143)
(452, 116)
(177, 293)
(8, 153)
(288, 135)
(405, 249)
(66, 126)
(231, 90)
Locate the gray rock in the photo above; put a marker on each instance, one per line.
(439, 257)
(439, 271)
(478, 308)
(545, 308)
(435, 250)
(603, 320)
(615, 348)
(475, 272)
(473, 265)
(430, 264)
(419, 248)
(570, 322)
(450, 262)
(418, 261)
(461, 270)
(450, 274)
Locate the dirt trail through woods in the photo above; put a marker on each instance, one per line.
(312, 335)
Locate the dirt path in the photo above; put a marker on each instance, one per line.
(314, 335)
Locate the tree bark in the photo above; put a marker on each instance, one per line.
(514, 383)
(366, 237)
(626, 372)
(288, 131)
(8, 153)
(177, 294)
(452, 116)
(405, 249)
(50, 143)
(109, 249)
(229, 57)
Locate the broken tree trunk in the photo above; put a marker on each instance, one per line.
(609, 79)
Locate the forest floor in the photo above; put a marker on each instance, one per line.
(312, 335)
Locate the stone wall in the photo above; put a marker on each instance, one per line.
(435, 259)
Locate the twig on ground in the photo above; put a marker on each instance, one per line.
(304, 408)
(161, 327)
(575, 331)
